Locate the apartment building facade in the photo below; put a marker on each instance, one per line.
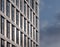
(19, 23)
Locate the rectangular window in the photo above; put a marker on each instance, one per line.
(33, 19)
(12, 13)
(21, 20)
(24, 24)
(8, 29)
(36, 22)
(31, 15)
(8, 44)
(25, 8)
(21, 39)
(28, 12)
(17, 17)
(36, 7)
(17, 3)
(28, 28)
(33, 4)
(31, 30)
(37, 36)
(2, 43)
(8, 8)
(28, 42)
(2, 5)
(31, 43)
(2, 25)
(13, 33)
(33, 33)
(21, 5)
(24, 40)
(17, 36)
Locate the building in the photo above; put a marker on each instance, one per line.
(19, 23)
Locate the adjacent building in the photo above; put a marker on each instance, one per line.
(19, 23)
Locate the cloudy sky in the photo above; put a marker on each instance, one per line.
(49, 23)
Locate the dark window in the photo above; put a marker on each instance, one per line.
(8, 8)
(33, 18)
(21, 20)
(17, 3)
(28, 42)
(37, 36)
(33, 33)
(31, 15)
(33, 4)
(24, 24)
(28, 28)
(31, 43)
(31, 30)
(2, 25)
(24, 40)
(17, 36)
(28, 12)
(8, 44)
(2, 5)
(36, 7)
(21, 5)
(2, 43)
(8, 29)
(36, 22)
(17, 17)
(13, 32)
(12, 12)
(25, 8)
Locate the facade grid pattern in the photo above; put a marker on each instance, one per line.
(19, 23)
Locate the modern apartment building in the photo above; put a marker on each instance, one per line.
(19, 23)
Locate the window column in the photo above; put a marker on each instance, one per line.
(21, 39)
(21, 21)
(8, 8)
(24, 24)
(8, 44)
(2, 5)
(25, 8)
(25, 41)
(21, 5)
(2, 25)
(8, 29)
(17, 36)
(2, 43)
(17, 17)
(13, 33)
(17, 3)
(13, 13)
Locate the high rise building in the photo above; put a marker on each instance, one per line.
(19, 23)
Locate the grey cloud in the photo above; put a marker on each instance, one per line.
(51, 36)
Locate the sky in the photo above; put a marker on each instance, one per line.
(49, 23)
